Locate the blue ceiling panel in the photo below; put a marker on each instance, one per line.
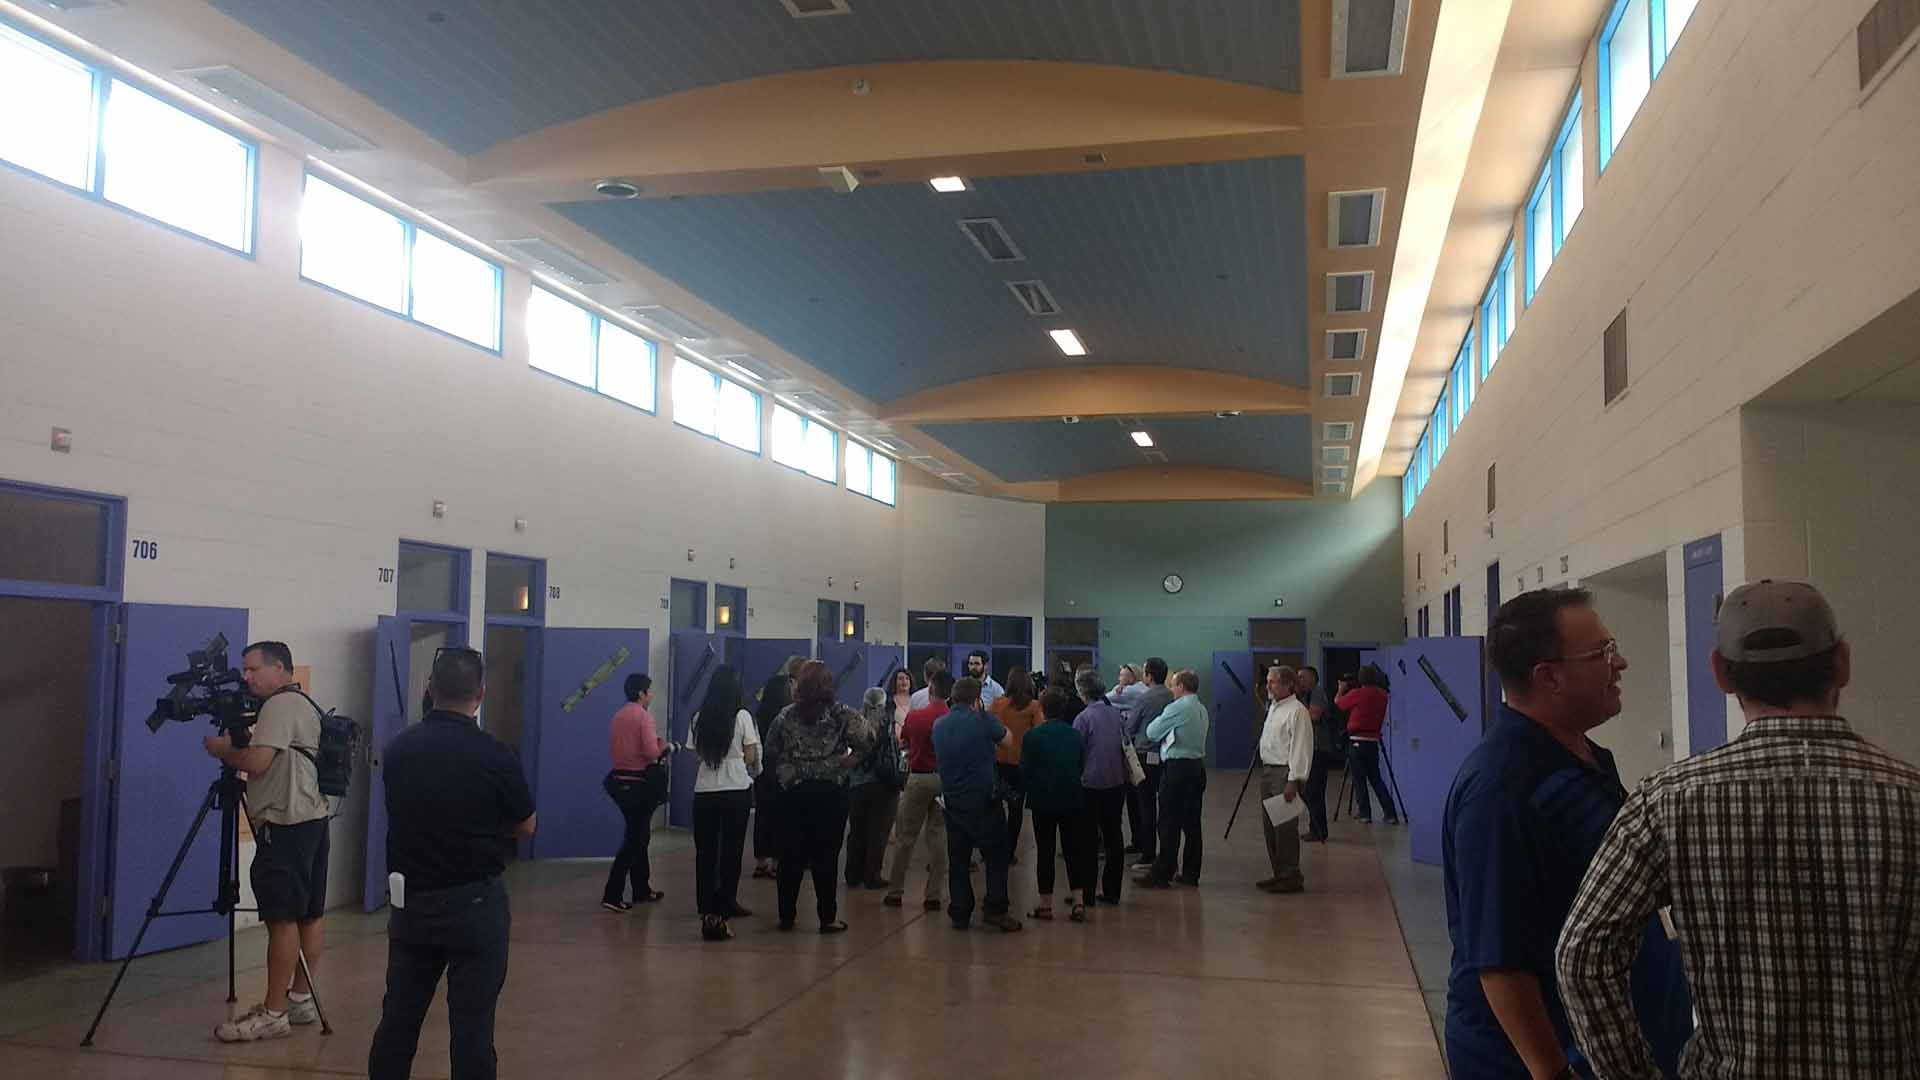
(472, 73)
(1199, 266)
(1050, 450)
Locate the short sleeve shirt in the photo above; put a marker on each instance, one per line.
(963, 740)
(287, 792)
(917, 736)
(732, 774)
(1523, 821)
(453, 793)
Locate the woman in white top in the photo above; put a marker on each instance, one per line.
(728, 749)
(902, 699)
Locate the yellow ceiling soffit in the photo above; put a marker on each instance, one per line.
(1095, 391)
(1163, 483)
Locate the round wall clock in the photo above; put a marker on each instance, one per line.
(1173, 583)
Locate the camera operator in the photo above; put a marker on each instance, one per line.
(289, 819)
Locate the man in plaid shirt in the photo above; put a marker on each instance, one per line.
(1791, 861)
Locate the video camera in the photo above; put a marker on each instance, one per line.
(223, 696)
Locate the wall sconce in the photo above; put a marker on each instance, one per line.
(723, 615)
(850, 630)
(526, 599)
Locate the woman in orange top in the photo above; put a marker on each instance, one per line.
(1018, 712)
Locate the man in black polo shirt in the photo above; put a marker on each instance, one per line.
(456, 799)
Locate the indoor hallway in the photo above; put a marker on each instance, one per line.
(1220, 981)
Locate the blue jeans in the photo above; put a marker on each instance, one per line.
(969, 827)
(460, 932)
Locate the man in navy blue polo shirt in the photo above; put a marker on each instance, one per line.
(1527, 812)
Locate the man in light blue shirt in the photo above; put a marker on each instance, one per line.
(1127, 689)
(1181, 732)
(990, 691)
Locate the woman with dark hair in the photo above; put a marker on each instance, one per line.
(727, 746)
(1366, 707)
(1054, 759)
(777, 694)
(637, 784)
(810, 747)
(1019, 713)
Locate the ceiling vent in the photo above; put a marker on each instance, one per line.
(670, 321)
(895, 446)
(1353, 218)
(1369, 38)
(814, 9)
(559, 262)
(752, 366)
(1156, 456)
(1336, 431)
(1335, 455)
(1333, 472)
(1342, 384)
(1347, 345)
(1350, 294)
(235, 87)
(80, 5)
(1033, 296)
(815, 401)
(959, 479)
(931, 464)
(1094, 158)
(1333, 487)
(991, 238)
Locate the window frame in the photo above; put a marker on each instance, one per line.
(1552, 186)
(759, 407)
(1656, 55)
(807, 423)
(597, 322)
(1495, 304)
(855, 444)
(94, 191)
(409, 230)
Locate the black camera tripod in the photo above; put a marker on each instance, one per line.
(228, 794)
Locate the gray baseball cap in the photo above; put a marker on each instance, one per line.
(1768, 621)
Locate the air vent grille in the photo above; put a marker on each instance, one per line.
(1353, 218)
(991, 238)
(1333, 472)
(895, 446)
(1334, 431)
(1155, 456)
(753, 365)
(959, 479)
(814, 9)
(1492, 490)
(1333, 487)
(816, 401)
(1350, 294)
(558, 261)
(1035, 297)
(1346, 344)
(1342, 384)
(1336, 455)
(1369, 38)
(931, 464)
(670, 321)
(236, 87)
(1613, 358)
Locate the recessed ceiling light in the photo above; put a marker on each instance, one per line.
(1142, 439)
(1068, 341)
(614, 188)
(1224, 414)
(947, 185)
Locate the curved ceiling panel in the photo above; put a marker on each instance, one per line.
(1050, 450)
(472, 73)
(1196, 266)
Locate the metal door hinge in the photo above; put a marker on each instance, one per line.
(118, 633)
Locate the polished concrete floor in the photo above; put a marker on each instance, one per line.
(1219, 981)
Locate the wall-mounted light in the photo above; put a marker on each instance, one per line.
(526, 599)
(723, 615)
(849, 631)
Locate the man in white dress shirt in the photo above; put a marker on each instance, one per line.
(1286, 759)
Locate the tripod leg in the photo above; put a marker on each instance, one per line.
(153, 911)
(1395, 782)
(1242, 795)
(325, 1028)
(1346, 781)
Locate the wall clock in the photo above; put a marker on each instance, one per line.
(1173, 583)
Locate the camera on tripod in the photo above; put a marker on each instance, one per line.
(209, 688)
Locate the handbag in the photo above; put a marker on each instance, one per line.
(1135, 774)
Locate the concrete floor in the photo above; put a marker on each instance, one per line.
(1219, 981)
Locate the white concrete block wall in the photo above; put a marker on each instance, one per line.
(278, 440)
(1756, 212)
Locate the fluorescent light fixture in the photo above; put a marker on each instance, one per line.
(1142, 439)
(739, 370)
(1068, 341)
(947, 185)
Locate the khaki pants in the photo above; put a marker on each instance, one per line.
(917, 810)
(1283, 841)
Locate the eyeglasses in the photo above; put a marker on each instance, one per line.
(1608, 649)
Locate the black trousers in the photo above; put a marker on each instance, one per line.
(813, 819)
(1103, 809)
(1363, 767)
(971, 827)
(1075, 832)
(1014, 805)
(719, 839)
(870, 811)
(1143, 803)
(1183, 790)
(766, 799)
(459, 932)
(1316, 793)
(637, 800)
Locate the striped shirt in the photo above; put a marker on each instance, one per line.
(1791, 859)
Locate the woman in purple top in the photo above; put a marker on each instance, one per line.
(1104, 777)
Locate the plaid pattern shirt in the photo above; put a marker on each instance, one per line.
(1791, 861)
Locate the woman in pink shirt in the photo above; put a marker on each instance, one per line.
(637, 785)
(1366, 708)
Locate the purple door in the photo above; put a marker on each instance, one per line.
(1439, 713)
(583, 676)
(1706, 705)
(163, 778)
(848, 662)
(1235, 714)
(882, 662)
(391, 649)
(761, 657)
(692, 656)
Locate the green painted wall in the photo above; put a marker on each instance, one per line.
(1336, 564)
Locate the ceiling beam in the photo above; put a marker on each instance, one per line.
(1095, 390)
(915, 120)
(1163, 483)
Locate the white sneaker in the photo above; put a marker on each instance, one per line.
(257, 1023)
(301, 1012)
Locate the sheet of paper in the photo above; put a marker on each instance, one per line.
(1280, 811)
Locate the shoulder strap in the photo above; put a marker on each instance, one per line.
(307, 752)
